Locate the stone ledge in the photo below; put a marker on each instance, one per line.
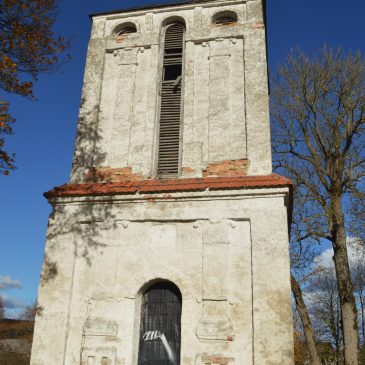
(169, 186)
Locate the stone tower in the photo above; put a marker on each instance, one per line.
(170, 243)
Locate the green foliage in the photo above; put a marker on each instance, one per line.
(6, 121)
(9, 358)
(28, 47)
(16, 329)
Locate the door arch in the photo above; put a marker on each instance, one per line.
(160, 327)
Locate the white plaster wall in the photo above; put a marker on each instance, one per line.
(226, 251)
(218, 248)
(225, 113)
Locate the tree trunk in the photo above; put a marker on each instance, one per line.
(339, 357)
(307, 325)
(362, 319)
(348, 305)
(336, 328)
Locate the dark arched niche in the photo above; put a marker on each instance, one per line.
(173, 19)
(160, 326)
(225, 18)
(125, 29)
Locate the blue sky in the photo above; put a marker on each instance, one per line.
(45, 129)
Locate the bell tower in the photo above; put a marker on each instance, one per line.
(169, 245)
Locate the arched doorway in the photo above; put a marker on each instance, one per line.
(159, 341)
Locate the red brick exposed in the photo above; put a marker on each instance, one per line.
(108, 174)
(217, 360)
(227, 168)
(169, 186)
(259, 25)
(188, 170)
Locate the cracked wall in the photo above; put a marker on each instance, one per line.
(225, 95)
(228, 255)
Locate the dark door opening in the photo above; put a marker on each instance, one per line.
(159, 342)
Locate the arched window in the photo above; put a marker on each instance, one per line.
(160, 328)
(225, 18)
(171, 102)
(125, 29)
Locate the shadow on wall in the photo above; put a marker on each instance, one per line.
(279, 325)
(88, 153)
(78, 224)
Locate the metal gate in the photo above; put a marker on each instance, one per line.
(159, 342)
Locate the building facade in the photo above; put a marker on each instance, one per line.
(169, 245)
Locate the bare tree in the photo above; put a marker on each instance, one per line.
(325, 309)
(302, 254)
(359, 290)
(306, 321)
(29, 312)
(357, 216)
(357, 229)
(318, 114)
(1, 309)
(357, 266)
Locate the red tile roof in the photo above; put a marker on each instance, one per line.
(169, 186)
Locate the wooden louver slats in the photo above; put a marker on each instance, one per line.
(170, 112)
(174, 38)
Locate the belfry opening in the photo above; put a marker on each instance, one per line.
(171, 101)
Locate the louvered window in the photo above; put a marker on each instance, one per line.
(171, 102)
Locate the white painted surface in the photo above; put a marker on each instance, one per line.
(227, 251)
